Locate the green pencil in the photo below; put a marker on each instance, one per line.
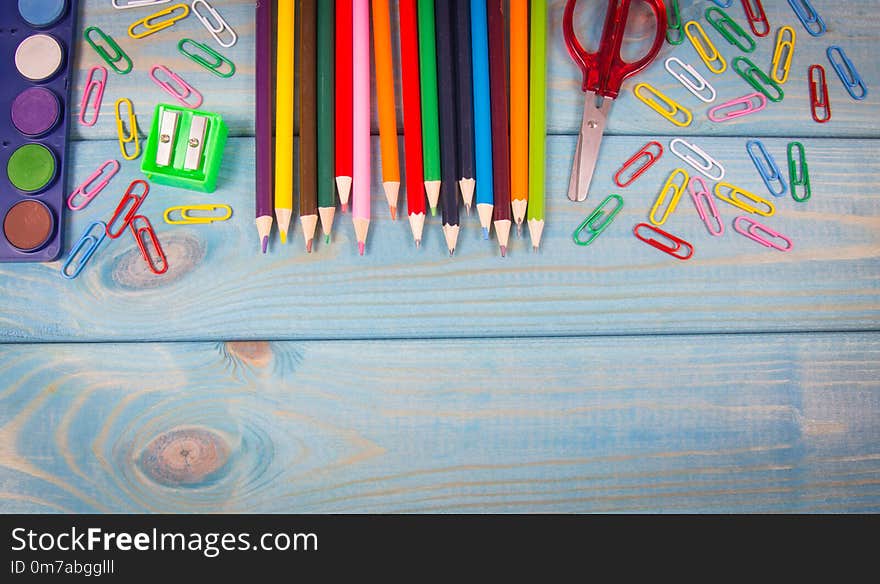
(537, 120)
(326, 155)
(430, 112)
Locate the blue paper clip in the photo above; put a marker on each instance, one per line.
(597, 221)
(767, 167)
(723, 3)
(88, 239)
(847, 72)
(808, 16)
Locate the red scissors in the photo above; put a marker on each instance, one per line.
(604, 71)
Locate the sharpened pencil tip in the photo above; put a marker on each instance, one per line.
(452, 252)
(518, 230)
(265, 244)
(433, 211)
(504, 251)
(418, 243)
(485, 233)
(393, 213)
(534, 249)
(345, 207)
(361, 247)
(467, 209)
(327, 239)
(283, 236)
(309, 246)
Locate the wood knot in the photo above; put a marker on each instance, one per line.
(254, 353)
(183, 252)
(185, 457)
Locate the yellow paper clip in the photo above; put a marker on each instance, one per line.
(186, 217)
(155, 22)
(736, 192)
(666, 107)
(704, 47)
(677, 191)
(783, 45)
(132, 137)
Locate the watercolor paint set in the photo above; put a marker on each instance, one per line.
(36, 56)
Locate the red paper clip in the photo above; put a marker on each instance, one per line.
(664, 247)
(128, 197)
(756, 16)
(645, 151)
(700, 193)
(147, 229)
(819, 94)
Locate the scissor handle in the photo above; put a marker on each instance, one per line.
(604, 70)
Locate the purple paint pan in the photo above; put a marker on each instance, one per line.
(35, 111)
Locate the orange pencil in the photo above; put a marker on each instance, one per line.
(385, 97)
(519, 110)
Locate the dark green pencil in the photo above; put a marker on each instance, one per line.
(326, 155)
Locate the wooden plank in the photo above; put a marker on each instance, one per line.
(722, 423)
(233, 98)
(219, 286)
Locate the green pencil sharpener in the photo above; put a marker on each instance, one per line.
(185, 148)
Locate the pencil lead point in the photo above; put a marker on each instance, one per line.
(534, 249)
(327, 239)
(345, 207)
(309, 246)
(485, 233)
(433, 211)
(265, 244)
(452, 252)
(283, 236)
(467, 209)
(518, 230)
(393, 213)
(504, 251)
(418, 243)
(361, 247)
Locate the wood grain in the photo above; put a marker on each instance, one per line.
(718, 423)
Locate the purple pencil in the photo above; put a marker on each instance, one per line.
(264, 95)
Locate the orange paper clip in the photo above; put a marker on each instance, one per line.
(158, 21)
(646, 152)
(129, 199)
(148, 243)
(182, 92)
(673, 248)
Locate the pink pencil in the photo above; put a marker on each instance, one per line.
(360, 210)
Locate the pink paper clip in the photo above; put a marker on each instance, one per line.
(646, 151)
(719, 113)
(700, 193)
(97, 87)
(757, 232)
(83, 189)
(159, 265)
(185, 89)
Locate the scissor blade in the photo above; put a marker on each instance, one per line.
(589, 140)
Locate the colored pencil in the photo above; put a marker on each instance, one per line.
(519, 110)
(467, 172)
(326, 101)
(344, 103)
(386, 103)
(537, 120)
(360, 126)
(430, 115)
(284, 101)
(482, 115)
(500, 128)
(412, 118)
(446, 84)
(264, 92)
(308, 122)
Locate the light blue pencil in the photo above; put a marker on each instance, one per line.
(482, 114)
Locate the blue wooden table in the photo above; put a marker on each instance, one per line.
(611, 378)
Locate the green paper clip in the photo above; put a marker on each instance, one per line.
(118, 54)
(591, 224)
(730, 30)
(756, 77)
(798, 179)
(674, 34)
(216, 63)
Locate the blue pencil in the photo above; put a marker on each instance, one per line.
(482, 114)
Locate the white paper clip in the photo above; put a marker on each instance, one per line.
(216, 27)
(705, 165)
(125, 4)
(691, 79)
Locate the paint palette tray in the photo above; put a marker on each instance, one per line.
(36, 56)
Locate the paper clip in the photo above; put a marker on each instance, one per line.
(730, 29)
(756, 15)
(756, 77)
(673, 23)
(671, 109)
(783, 45)
(798, 173)
(137, 3)
(83, 189)
(808, 17)
(723, 3)
(847, 72)
(736, 192)
(704, 163)
(130, 198)
(696, 83)
(215, 27)
(186, 218)
(132, 136)
(185, 90)
(677, 243)
(726, 112)
(597, 221)
(144, 246)
(83, 250)
(819, 103)
(767, 167)
(701, 197)
(215, 65)
(97, 87)
(647, 151)
(677, 191)
(758, 232)
(704, 47)
(155, 22)
(118, 55)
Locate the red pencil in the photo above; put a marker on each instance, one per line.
(500, 122)
(412, 118)
(344, 103)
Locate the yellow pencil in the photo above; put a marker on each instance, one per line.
(284, 118)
